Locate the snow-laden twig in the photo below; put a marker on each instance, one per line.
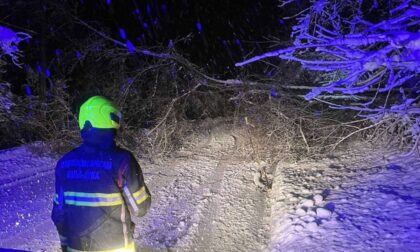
(127, 45)
(9, 42)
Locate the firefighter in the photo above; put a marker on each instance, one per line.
(98, 185)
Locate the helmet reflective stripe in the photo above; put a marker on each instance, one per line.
(100, 112)
(115, 117)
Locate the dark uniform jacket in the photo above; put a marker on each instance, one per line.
(97, 186)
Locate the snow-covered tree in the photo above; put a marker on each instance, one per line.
(359, 46)
(9, 41)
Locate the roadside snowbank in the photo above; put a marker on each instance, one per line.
(358, 200)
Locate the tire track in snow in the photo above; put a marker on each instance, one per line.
(177, 200)
(210, 214)
(239, 221)
(208, 203)
(235, 217)
(25, 178)
(22, 164)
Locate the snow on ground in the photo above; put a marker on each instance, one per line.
(205, 199)
(26, 188)
(363, 200)
(208, 201)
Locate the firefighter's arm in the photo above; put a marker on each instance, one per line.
(57, 214)
(135, 191)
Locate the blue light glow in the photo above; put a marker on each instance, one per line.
(28, 91)
(199, 27)
(77, 53)
(130, 46)
(273, 92)
(149, 9)
(163, 8)
(38, 68)
(281, 21)
(122, 34)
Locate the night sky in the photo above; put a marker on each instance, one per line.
(215, 34)
(219, 33)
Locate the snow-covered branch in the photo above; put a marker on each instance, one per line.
(9, 41)
(339, 36)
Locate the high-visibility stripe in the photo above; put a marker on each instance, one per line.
(141, 195)
(92, 199)
(129, 248)
(140, 200)
(92, 204)
(101, 199)
(142, 189)
(96, 195)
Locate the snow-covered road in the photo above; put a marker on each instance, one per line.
(207, 203)
(205, 199)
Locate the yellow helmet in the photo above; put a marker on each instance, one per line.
(100, 112)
